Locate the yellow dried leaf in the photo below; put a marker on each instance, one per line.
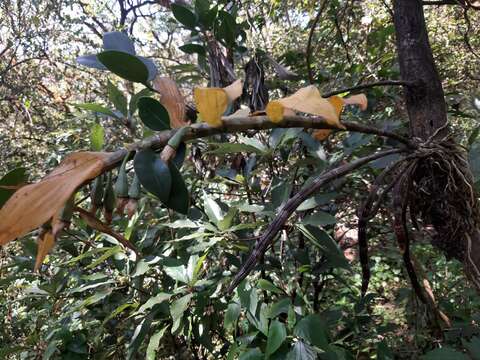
(321, 134)
(307, 100)
(172, 100)
(211, 104)
(275, 111)
(35, 204)
(234, 90)
(359, 99)
(310, 101)
(46, 241)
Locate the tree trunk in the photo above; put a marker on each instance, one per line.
(425, 100)
(454, 213)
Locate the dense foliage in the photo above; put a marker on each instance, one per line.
(95, 298)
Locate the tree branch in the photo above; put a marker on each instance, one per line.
(292, 204)
(309, 43)
(238, 124)
(370, 85)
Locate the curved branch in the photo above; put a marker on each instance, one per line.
(370, 85)
(292, 204)
(308, 56)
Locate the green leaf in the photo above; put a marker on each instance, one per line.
(133, 104)
(231, 316)
(319, 218)
(227, 148)
(276, 336)
(473, 347)
(153, 174)
(227, 28)
(154, 343)
(96, 108)
(268, 286)
(127, 66)
(445, 353)
(313, 329)
(177, 273)
(98, 296)
(177, 309)
(117, 98)
(251, 354)
(97, 137)
(153, 114)
(302, 351)
(193, 49)
(139, 335)
(14, 177)
(326, 244)
(184, 16)
(318, 200)
(213, 210)
(279, 307)
(157, 299)
(110, 252)
(179, 198)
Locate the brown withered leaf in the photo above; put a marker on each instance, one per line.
(35, 204)
(46, 241)
(98, 225)
(172, 100)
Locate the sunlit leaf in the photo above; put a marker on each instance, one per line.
(34, 204)
(97, 135)
(172, 100)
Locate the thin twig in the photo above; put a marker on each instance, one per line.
(308, 56)
(370, 85)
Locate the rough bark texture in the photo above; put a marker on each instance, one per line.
(425, 101)
(445, 197)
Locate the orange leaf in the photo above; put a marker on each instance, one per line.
(35, 204)
(172, 100)
(45, 244)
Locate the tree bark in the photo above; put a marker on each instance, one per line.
(425, 100)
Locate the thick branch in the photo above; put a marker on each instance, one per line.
(233, 125)
(292, 204)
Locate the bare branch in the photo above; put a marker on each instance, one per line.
(309, 43)
(370, 85)
(292, 204)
